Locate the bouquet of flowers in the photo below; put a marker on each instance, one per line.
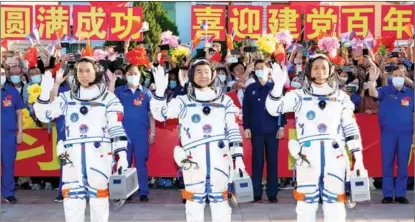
(285, 38)
(266, 44)
(178, 53)
(34, 92)
(329, 45)
(167, 38)
(27, 120)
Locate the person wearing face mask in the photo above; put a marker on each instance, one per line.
(264, 131)
(223, 77)
(15, 75)
(137, 122)
(95, 136)
(325, 124)
(396, 110)
(11, 135)
(352, 89)
(121, 79)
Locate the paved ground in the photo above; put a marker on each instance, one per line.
(165, 205)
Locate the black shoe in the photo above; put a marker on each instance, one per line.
(58, 199)
(143, 198)
(11, 200)
(272, 199)
(401, 200)
(387, 200)
(257, 199)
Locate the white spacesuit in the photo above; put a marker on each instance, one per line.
(323, 118)
(94, 133)
(210, 137)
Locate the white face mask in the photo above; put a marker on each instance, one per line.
(344, 79)
(119, 76)
(2, 80)
(133, 80)
(398, 81)
(222, 78)
(296, 85)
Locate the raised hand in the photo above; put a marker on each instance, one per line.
(161, 80)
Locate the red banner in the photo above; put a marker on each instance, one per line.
(282, 18)
(52, 21)
(213, 17)
(90, 22)
(125, 23)
(321, 20)
(395, 18)
(37, 156)
(245, 21)
(15, 21)
(360, 19)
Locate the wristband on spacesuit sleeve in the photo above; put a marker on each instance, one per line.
(273, 97)
(352, 137)
(43, 101)
(158, 97)
(236, 149)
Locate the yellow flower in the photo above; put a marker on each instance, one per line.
(266, 43)
(27, 120)
(34, 92)
(178, 53)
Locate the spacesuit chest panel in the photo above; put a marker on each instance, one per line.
(85, 120)
(203, 122)
(318, 116)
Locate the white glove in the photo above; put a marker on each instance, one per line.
(294, 148)
(46, 85)
(239, 165)
(161, 80)
(179, 155)
(358, 164)
(122, 161)
(279, 77)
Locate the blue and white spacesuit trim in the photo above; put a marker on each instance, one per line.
(197, 143)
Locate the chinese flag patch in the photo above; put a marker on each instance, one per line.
(119, 116)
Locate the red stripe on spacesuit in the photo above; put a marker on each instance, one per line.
(120, 116)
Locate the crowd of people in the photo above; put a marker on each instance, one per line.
(370, 78)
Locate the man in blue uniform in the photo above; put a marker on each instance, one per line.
(11, 120)
(264, 130)
(137, 121)
(396, 108)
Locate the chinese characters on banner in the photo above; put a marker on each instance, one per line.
(394, 19)
(90, 22)
(245, 21)
(15, 21)
(125, 23)
(360, 19)
(214, 16)
(280, 18)
(320, 20)
(52, 21)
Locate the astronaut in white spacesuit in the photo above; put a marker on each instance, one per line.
(210, 140)
(324, 118)
(94, 134)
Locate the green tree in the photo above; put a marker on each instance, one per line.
(158, 21)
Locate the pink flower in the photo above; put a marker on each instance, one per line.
(100, 54)
(284, 37)
(168, 38)
(329, 45)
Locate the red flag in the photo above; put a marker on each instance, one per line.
(4, 44)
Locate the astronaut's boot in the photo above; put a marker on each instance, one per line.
(74, 209)
(195, 212)
(334, 212)
(99, 209)
(306, 212)
(221, 212)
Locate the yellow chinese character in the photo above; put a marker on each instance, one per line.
(92, 22)
(17, 24)
(321, 21)
(252, 23)
(52, 20)
(284, 19)
(130, 19)
(357, 22)
(213, 18)
(396, 20)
